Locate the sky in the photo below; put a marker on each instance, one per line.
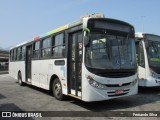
(22, 20)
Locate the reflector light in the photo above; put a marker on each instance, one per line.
(36, 38)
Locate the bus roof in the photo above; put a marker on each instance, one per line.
(141, 35)
(147, 36)
(95, 15)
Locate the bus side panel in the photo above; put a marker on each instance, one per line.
(141, 75)
(36, 68)
(43, 76)
(142, 72)
(15, 67)
(22, 70)
(60, 71)
(11, 69)
(42, 71)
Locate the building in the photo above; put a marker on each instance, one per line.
(4, 58)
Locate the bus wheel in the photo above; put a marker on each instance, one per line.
(57, 90)
(20, 79)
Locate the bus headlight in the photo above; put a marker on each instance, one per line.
(94, 83)
(134, 82)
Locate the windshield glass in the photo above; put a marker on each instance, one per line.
(153, 51)
(110, 52)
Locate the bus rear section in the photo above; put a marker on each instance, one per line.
(148, 55)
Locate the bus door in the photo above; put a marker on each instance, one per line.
(75, 63)
(28, 63)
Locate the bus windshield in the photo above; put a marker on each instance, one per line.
(110, 52)
(153, 51)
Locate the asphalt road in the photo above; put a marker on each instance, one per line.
(29, 98)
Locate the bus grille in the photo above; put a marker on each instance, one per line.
(116, 74)
(117, 85)
(113, 93)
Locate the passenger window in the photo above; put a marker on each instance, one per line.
(11, 55)
(23, 52)
(15, 54)
(36, 50)
(58, 46)
(46, 47)
(19, 54)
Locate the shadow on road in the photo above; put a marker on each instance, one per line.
(149, 90)
(145, 96)
(2, 96)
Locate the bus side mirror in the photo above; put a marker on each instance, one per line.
(86, 41)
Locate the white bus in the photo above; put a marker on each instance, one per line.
(148, 55)
(93, 59)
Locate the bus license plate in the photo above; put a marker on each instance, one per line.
(119, 91)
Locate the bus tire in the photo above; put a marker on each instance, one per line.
(57, 90)
(20, 79)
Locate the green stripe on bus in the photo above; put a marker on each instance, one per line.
(57, 30)
(155, 59)
(86, 29)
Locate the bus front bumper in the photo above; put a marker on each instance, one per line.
(149, 82)
(94, 94)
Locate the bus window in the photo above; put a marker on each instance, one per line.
(36, 47)
(19, 53)
(15, 54)
(58, 46)
(23, 52)
(46, 50)
(11, 57)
